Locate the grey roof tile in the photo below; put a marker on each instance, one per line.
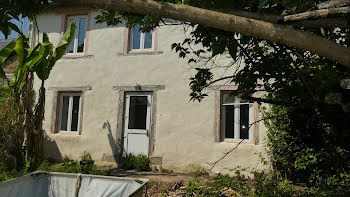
(3, 43)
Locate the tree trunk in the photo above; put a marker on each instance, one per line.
(250, 27)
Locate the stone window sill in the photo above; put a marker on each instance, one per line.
(77, 56)
(142, 53)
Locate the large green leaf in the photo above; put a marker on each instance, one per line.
(41, 67)
(45, 37)
(4, 53)
(50, 56)
(64, 42)
(14, 28)
(21, 51)
(35, 55)
(21, 48)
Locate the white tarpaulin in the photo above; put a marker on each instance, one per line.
(71, 185)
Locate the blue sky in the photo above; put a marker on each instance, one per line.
(15, 34)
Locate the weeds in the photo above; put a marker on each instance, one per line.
(200, 173)
(85, 166)
(138, 162)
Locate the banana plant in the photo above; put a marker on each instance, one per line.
(39, 59)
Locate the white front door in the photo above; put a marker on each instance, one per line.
(137, 119)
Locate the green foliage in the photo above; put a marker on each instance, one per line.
(5, 94)
(11, 11)
(138, 162)
(306, 145)
(84, 166)
(11, 132)
(238, 185)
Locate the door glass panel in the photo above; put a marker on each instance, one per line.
(137, 112)
(244, 121)
(64, 116)
(75, 113)
(136, 35)
(148, 40)
(229, 121)
(81, 35)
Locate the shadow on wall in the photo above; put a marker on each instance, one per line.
(51, 150)
(113, 144)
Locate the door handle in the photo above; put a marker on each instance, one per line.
(147, 132)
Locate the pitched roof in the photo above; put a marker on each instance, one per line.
(3, 43)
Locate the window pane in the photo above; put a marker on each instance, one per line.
(70, 48)
(75, 113)
(81, 35)
(136, 37)
(64, 115)
(137, 112)
(244, 121)
(148, 40)
(229, 111)
(227, 98)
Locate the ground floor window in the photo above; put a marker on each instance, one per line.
(236, 118)
(69, 112)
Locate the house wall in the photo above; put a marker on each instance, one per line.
(185, 132)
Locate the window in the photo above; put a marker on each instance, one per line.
(140, 41)
(237, 115)
(69, 114)
(78, 43)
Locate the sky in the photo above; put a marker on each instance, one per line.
(15, 34)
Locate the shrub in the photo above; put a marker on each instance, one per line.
(84, 166)
(311, 146)
(264, 185)
(138, 162)
(11, 133)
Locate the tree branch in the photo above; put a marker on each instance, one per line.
(317, 13)
(340, 22)
(329, 4)
(227, 22)
(225, 154)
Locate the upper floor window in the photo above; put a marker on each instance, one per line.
(78, 43)
(237, 116)
(69, 112)
(141, 41)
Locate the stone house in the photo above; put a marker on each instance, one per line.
(118, 90)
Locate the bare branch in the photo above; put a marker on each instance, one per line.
(340, 22)
(213, 164)
(225, 154)
(317, 13)
(330, 4)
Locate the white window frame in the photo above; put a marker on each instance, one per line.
(76, 34)
(70, 109)
(142, 43)
(237, 105)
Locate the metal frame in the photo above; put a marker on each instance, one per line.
(148, 117)
(76, 34)
(142, 43)
(70, 108)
